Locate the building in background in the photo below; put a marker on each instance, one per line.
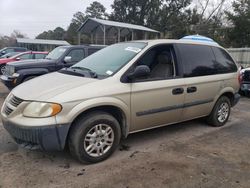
(108, 32)
(40, 44)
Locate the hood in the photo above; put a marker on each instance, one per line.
(5, 60)
(33, 63)
(49, 85)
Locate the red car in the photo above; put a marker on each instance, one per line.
(21, 56)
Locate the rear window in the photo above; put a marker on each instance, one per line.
(198, 60)
(224, 63)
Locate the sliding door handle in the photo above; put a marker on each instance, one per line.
(191, 89)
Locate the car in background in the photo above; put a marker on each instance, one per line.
(8, 55)
(21, 56)
(12, 49)
(60, 57)
(245, 82)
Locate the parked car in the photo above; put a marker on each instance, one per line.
(245, 83)
(12, 49)
(21, 56)
(63, 56)
(8, 55)
(122, 89)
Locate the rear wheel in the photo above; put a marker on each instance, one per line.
(94, 137)
(2, 69)
(221, 112)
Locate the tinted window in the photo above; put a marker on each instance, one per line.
(40, 56)
(224, 63)
(76, 55)
(92, 50)
(198, 60)
(25, 56)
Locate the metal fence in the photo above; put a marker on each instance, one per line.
(241, 55)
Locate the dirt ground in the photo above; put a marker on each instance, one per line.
(189, 154)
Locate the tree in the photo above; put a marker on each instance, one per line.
(240, 19)
(17, 34)
(96, 10)
(77, 20)
(164, 15)
(57, 34)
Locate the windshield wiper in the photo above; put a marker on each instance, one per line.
(93, 74)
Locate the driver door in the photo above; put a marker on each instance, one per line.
(158, 99)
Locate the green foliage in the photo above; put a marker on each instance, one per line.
(240, 18)
(96, 10)
(57, 34)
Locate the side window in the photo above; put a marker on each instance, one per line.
(224, 63)
(76, 55)
(40, 56)
(92, 50)
(160, 61)
(25, 56)
(9, 50)
(198, 60)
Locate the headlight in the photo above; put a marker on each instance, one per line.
(41, 109)
(15, 75)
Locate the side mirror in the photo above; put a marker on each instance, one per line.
(3, 52)
(18, 58)
(68, 59)
(139, 72)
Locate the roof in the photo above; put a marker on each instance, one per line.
(42, 41)
(91, 23)
(176, 41)
(199, 38)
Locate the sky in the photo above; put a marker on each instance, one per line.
(32, 17)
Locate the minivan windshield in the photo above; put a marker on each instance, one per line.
(109, 60)
(56, 53)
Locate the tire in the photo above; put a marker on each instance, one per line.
(85, 148)
(222, 106)
(2, 69)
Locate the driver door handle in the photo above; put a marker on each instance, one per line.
(177, 91)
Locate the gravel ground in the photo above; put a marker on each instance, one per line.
(189, 154)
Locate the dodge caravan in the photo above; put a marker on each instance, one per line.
(122, 89)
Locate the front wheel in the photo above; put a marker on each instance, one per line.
(221, 112)
(94, 137)
(2, 69)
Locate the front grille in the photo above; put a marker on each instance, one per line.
(15, 101)
(9, 70)
(7, 110)
(11, 104)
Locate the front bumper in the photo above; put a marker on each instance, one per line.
(9, 82)
(49, 138)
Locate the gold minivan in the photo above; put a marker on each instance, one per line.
(122, 89)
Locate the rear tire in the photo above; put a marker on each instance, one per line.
(220, 113)
(94, 137)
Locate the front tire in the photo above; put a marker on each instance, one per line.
(94, 137)
(221, 112)
(2, 69)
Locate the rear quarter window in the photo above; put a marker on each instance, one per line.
(197, 60)
(224, 63)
